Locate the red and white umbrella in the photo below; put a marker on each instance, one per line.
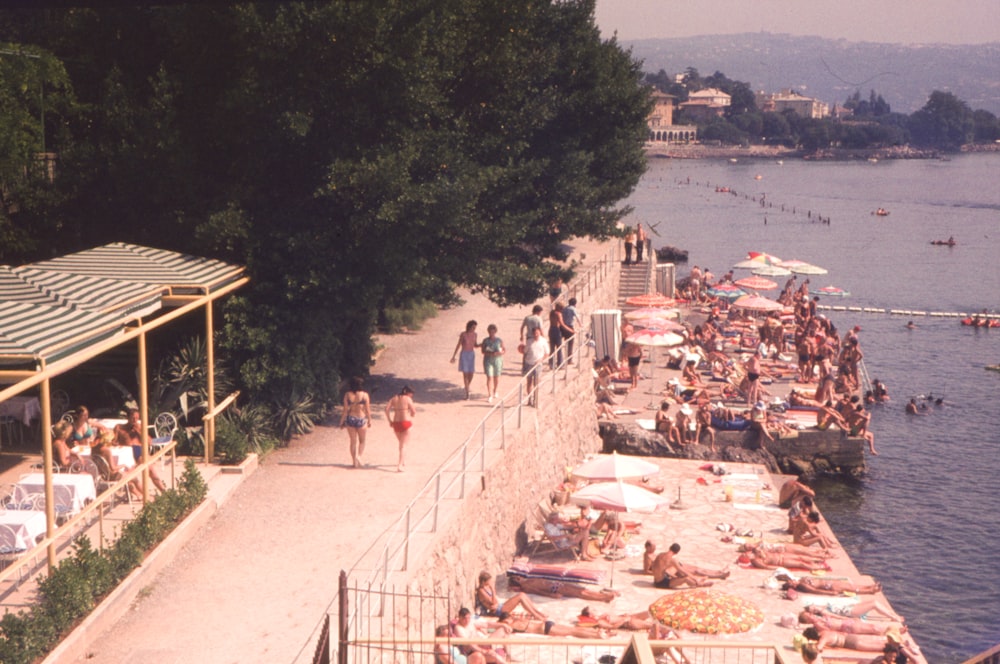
(757, 303)
(756, 283)
(651, 312)
(659, 324)
(771, 271)
(650, 300)
(654, 337)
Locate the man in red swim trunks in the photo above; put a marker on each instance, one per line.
(400, 411)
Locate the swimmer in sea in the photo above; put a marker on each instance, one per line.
(911, 326)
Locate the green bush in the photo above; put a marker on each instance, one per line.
(230, 443)
(296, 416)
(79, 582)
(398, 319)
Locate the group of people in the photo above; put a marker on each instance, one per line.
(536, 348)
(635, 238)
(356, 417)
(69, 439)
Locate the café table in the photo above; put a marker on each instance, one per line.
(123, 454)
(25, 409)
(27, 527)
(77, 489)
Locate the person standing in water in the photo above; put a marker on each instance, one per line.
(400, 411)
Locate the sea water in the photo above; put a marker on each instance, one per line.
(925, 520)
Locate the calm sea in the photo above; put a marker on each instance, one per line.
(925, 520)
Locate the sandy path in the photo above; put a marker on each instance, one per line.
(253, 585)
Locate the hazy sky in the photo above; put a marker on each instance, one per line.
(888, 21)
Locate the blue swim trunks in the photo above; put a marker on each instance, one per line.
(467, 361)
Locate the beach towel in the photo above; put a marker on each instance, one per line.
(556, 573)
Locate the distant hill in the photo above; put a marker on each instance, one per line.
(832, 69)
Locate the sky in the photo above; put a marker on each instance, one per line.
(883, 21)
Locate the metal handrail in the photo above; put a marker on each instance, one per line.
(459, 463)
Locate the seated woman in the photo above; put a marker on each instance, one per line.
(103, 448)
(61, 453)
(84, 432)
(488, 603)
(665, 424)
(129, 437)
(449, 654)
(614, 536)
(690, 373)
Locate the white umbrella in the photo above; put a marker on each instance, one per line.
(618, 497)
(801, 267)
(757, 303)
(653, 337)
(651, 312)
(615, 466)
(771, 271)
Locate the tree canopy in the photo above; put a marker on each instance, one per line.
(354, 156)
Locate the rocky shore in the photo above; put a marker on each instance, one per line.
(701, 151)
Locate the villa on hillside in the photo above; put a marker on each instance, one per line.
(790, 100)
(706, 104)
(661, 122)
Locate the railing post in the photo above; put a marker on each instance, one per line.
(406, 545)
(465, 454)
(342, 619)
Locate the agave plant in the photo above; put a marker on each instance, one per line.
(182, 379)
(253, 422)
(296, 416)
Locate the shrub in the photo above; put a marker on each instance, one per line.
(230, 443)
(83, 579)
(296, 416)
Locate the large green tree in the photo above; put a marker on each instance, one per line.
(353, 155)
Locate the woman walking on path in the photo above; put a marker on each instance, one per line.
(493, 350)
(400, 411)
(467, 343)
(357, 418)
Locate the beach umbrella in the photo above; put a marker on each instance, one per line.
(653, 337)
(707, 611)
(650, 300)
(756, 283)
(801, 267)
(771, 271)
(618, 496)
(833, 291)
(615, 466)
(770, 259)
(659, 324)
(757, 303)
(750, 263)
(728, 292)
(651, 312)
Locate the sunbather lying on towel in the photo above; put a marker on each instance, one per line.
(823, 586)
(550, 628)
(559, 589)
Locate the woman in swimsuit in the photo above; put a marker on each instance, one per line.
(445, 653)
(823, 586)
(400, 411)
(550, 628)
(488, 604)
(820, 619)
(84, 432)
(560, 589)
(827, 638)
(632, 621)
(772, 560)
(357, 418)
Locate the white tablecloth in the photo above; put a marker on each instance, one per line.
(25, 409)
(27, 525)
(123, 454)
(71, 490)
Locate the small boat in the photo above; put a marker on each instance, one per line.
(993, 367)
(732, 160)
(944, 243)
(881, 212)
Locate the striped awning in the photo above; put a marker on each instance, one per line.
(181, 273)
(30, 332)
(79, 291)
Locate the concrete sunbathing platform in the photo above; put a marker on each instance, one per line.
(695, 527)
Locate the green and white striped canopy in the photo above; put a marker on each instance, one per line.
(29, 332)
(181, 273)
(51, 308)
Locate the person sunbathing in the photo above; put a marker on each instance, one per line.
(559, 589)
(820, 619)
(445, 653)
(806, 531)
(821, 585)
(631, 621)
(798, 400)
(762, 559)
(828, 638)
(488, 603)
(551, 628)
(787, 547)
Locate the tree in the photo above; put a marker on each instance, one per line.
(945, 122)
(354, 156)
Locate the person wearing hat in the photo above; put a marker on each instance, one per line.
(686, 425)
